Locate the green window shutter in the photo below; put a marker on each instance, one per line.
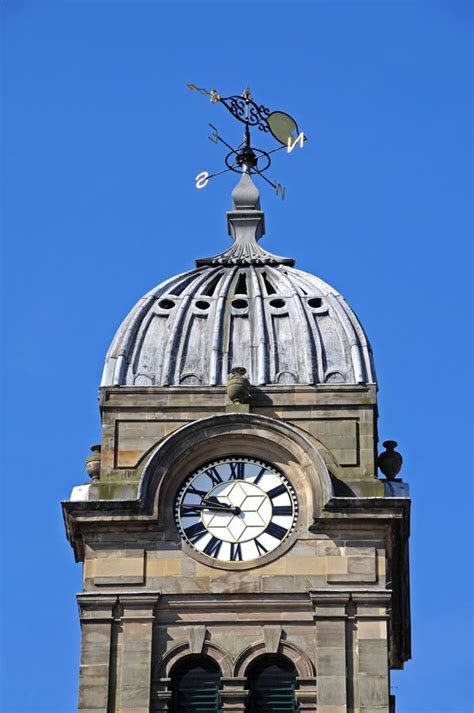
(203, 697)
(196, 682)
(277, 698)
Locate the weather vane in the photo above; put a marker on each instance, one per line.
(246, 158)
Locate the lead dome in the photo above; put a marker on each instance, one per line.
(242, 308)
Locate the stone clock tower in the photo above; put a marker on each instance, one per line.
(239, 551)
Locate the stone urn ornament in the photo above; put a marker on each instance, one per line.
(238, 386)
(390, 462)
(93, 462)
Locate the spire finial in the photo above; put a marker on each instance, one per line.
(246, 194)
(246, 225)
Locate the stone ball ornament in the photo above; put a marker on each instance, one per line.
(390, 461)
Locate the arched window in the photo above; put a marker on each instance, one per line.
(195, 685)
(271, 681)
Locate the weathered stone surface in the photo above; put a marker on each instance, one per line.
(373, 691)
(196, 636)
(169, 338)
(96, 623)
(332, 690)
(134, 676)
(126, 441)
(272, 636)
(117, 570)
(373, 658)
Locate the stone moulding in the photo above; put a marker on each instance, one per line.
(218, 436)
(302, 663)
(234, 668)
(234, 690)
(182, 649)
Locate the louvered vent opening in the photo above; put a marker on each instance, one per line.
(272, 685)
(276, 698)
(211, 287)
(268, 285)
(195, 684)
(181, 286)
(241, 287)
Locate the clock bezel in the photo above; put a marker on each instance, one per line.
(276, 553)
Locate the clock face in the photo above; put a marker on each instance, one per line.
(235, 510)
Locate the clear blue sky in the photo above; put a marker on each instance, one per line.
(101, 143)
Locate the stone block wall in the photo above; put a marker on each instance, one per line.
(337, 642)
(325, 601)
(342, 559)
(341, 418)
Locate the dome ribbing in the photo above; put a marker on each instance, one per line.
(244, 307)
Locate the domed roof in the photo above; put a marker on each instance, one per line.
(246, 308)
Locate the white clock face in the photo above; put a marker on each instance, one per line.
(235, 510)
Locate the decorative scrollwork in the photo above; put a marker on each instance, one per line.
(247, 111)
(236, 108)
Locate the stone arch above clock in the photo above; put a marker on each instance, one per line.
(229, 435)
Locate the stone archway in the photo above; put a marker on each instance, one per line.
(301, 662)
(219, 436)
(182, 649)
(305, 692)
(162, 683)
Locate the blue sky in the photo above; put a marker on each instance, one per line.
(101, 142)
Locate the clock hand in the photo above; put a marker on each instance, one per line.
(213, 502)
(211, 505)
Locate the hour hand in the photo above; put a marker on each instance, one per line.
(203, 506)
(213, 503)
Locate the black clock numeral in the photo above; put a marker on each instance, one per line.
(260, 475)
(236, 471)
(274, 492)
(276, 531)
(282, 510)
(236, 552)
(212, 548)
(260, 548)
(213, 474)
(195, 491)
(195, 532)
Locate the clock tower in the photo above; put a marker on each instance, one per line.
(240, 552)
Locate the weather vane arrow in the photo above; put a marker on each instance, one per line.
(247, 158)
